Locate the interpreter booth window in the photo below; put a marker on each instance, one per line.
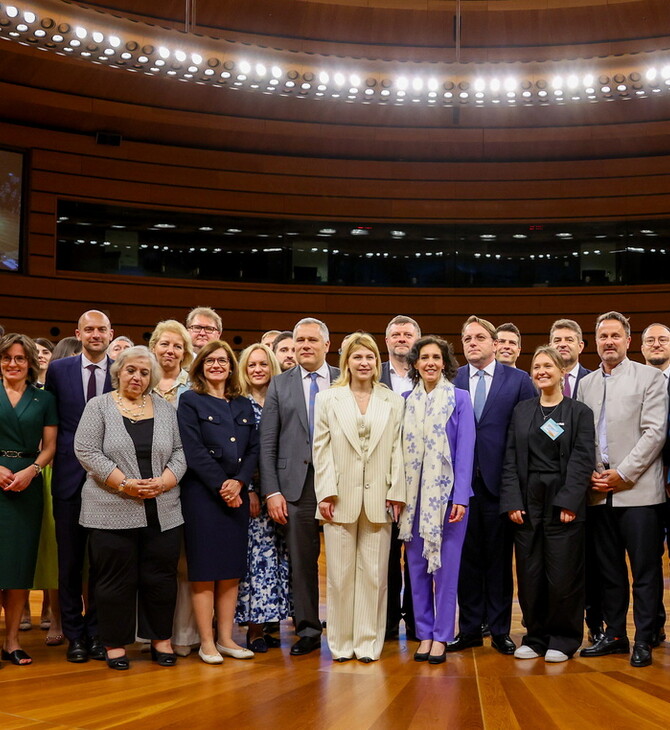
(114, 240)
(11, 209)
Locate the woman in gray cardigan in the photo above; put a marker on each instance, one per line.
(128, 442)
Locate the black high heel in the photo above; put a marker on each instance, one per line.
(121, 663)
(163, 658)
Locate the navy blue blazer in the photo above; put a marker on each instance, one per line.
(580, 374)
(215, 449)
(509, 386)
(65, 382)
(385, 376)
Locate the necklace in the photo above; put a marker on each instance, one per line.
(136, 412)
(549, 412)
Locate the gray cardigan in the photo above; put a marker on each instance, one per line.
(102, 444)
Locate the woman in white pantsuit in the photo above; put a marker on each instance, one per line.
(360, 487)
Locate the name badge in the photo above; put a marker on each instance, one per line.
(552, 429)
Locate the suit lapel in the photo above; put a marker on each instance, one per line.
(496, 384)
(10, 413)
(299, 396)
(76, 384)
(108, 378)
(379, 411)
(346, 414)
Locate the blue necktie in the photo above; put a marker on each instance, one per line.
(313, 390)
(480, 394)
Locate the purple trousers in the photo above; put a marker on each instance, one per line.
(435, 594)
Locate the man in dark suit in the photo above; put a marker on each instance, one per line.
(401, 333)
(566, 336)
(485, 585)
(287, 474)
(656, 352)
(74, 381)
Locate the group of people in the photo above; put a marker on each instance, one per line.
(196, 484)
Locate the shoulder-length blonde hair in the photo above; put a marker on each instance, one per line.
(177, 328)
(355, 342)
(243, 376)
(197, 372)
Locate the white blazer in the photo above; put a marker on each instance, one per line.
(340, 468)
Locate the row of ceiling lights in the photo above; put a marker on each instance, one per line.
(527, 85)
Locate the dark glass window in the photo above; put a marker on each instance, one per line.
(131, 241)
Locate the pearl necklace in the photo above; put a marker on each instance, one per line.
(136, 413)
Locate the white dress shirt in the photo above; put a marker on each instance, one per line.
(100, 374)
(474, 379)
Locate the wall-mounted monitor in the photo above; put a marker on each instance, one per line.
(11, 209)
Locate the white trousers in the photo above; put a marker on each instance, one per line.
(357, 557)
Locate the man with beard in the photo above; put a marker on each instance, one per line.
(284, 350)
(401, 333)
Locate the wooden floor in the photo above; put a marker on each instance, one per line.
(477, 688)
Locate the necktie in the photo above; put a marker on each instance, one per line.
(566, 386)
(90, 387)
(480, 394)
(313, 390)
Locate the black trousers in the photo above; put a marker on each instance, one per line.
(634, 531)
(665, 537)
(485, 583)
(304, 545)
(72, 540)
(550, 571)
(399, 604)
(136, 587)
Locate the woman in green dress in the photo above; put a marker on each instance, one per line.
(27, 444)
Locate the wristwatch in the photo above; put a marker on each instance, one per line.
(37, 468)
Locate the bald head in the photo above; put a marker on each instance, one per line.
(94, 331)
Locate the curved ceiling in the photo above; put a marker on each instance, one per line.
(61, 92)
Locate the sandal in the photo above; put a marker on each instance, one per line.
(45, 623)
(54, 640)
(26, 624)
(18, 657)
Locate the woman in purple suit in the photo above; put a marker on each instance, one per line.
(439, 443)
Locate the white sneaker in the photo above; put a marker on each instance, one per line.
(555, 656)
(526, 652)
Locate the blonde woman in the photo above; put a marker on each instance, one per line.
(264, 591)
(360, 489)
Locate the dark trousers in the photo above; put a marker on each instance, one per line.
(72, 541)
(634, 531)
(304, 545)
(593, 583)
(550, 571)
(399, 601)
(136, 585)
(665, 536)
(485, 585)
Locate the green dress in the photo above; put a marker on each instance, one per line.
(21, 512)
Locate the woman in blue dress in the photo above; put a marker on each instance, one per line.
(264, 595)
(28, 423)
(218, 431)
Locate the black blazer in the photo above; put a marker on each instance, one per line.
(385, 376)
(577, 457)
(580, 374)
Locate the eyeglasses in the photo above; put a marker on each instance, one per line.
(663, 340)
(203, 328)
(18, 359)
(217, 360)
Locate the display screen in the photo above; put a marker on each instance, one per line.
(11, 191)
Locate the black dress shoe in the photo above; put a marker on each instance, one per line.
(162, 658)
(657, 638)
(641, 656)
(342, 659)
(77, 651)
(305, 645)
(464, 641)
(366, 660)
(272, 642)
(96, 649)
(486, 631)
(503, 643)
(596, 633)
(607, 645)
(119, 663)
(421, 656)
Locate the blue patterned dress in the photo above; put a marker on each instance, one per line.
(264, 593)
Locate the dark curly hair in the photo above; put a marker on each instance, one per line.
(450, 363)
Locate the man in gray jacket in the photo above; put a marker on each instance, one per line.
(630, 409)
(287, 474)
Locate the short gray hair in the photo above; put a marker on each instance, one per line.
(204, 312)
(624, 321)
(403, 319)
(133, 353)
(566, 324)
(311, 320)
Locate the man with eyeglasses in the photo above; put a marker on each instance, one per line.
(204, 325)
(74, 381)
(656, 352)
(486, 586)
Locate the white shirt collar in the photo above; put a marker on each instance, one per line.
(322, 372)
(489, 369)
(85, 362)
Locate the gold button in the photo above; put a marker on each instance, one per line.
(232, 438)
(244, 420)
(209, 418)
